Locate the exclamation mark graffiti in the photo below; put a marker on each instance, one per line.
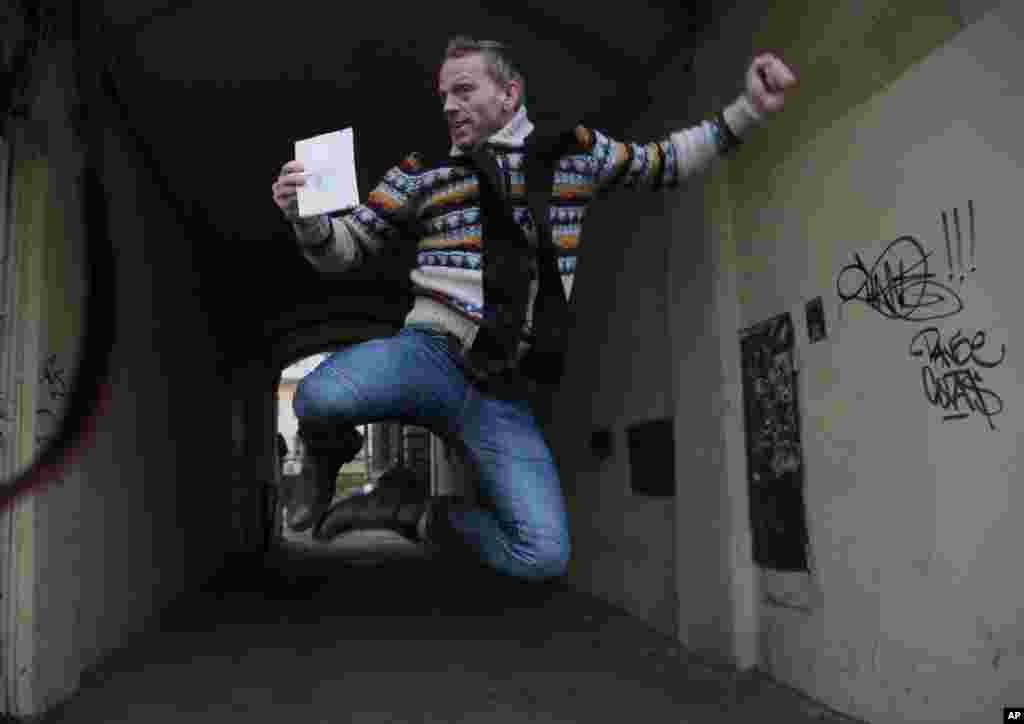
(970, 211)
(949, 251)
(959, 243)
(959, 240)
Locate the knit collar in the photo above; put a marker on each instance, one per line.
(513, 134)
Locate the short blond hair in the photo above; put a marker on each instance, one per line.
(496, 58)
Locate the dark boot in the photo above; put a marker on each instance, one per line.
(313, 491)
(327, 448)
(396, 503)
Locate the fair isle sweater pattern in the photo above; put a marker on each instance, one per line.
(443, 203)
(438, 208)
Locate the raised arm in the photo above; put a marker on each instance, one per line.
(690, 151)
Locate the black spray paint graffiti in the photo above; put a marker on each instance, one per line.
(898, 285)
(53, 378)
(959, 240)
(948, 381)
(53, 391)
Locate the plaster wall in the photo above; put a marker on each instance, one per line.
(857, 631)
(143, 514)
(904, 614)
(619, 374)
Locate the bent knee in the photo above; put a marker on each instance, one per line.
(319, 395)
(304, 403)
(543, 557)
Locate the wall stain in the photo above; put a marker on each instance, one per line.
(1000, 652)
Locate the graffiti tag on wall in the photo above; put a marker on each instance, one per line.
(899, 285)
(951, 379)
(53, 391)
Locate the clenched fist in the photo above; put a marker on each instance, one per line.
(767, 81)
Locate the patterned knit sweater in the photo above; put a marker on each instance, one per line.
(439, 206)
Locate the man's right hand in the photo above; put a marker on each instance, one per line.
(285, 189)
(310, 230)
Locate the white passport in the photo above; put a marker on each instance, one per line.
(330, 168)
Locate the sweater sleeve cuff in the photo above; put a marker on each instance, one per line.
(741, 116)
(312, 231)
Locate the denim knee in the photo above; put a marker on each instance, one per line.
(304, 402)
(320, 396)
(542, 557)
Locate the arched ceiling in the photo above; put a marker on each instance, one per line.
(219, 91)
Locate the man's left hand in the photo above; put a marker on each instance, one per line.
(767, 81)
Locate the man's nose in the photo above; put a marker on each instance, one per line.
(450, 106)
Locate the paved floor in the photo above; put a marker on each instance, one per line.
(372, 630)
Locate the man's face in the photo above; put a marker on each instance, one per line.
(475, 106)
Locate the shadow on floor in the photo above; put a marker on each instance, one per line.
(373, 629)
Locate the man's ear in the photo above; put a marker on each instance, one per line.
(512, 91)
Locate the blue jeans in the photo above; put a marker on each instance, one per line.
(521, 529)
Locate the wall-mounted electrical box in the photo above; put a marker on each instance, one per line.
(601, 443)
(652, 458)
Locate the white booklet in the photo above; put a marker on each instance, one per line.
(329, 161)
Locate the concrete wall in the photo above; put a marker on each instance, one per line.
(824, 634)
(910, 616)
(853, 641)
(45, 326)
(619, 362)
(143, 514)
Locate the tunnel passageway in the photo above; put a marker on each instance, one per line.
(373, 629)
